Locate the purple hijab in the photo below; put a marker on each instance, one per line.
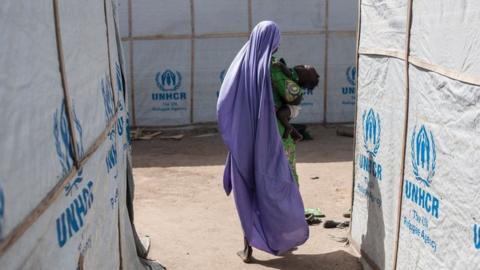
(268, 200)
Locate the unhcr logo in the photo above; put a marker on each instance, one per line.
(70, 221)
(371, 132)
(351, 75)
(476, 236)
(111, 159)
(371, 143)
(423, 155)
(107, 97)
(63, 141)
(169, 82)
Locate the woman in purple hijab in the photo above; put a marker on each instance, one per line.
(257, 170)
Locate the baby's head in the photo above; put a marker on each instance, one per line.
(307, 76)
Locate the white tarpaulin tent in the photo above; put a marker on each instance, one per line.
(178, 51)
(65, 151)
(416, 191)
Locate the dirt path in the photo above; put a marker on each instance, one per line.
(181, 205)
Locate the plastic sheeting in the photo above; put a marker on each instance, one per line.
(341, 79)
(427, 152)
(153, 17)
(383, 24)
(304, 15)
(181, 41)
(457, 50)
(54, 215)
(162, 68)
(378, 156)
(212, 60)
(441, 165)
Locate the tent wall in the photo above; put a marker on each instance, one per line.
(178, 52)
(419, 74)
(64, 138)
(378, 156)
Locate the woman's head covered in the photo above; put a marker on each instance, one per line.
(265, 34)
(257, 170)
(251, 66)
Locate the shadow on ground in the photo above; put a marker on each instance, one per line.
(209, 150)
(328, 261)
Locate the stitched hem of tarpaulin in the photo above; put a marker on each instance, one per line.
(418, 62)
(447, 72)
(382, 52)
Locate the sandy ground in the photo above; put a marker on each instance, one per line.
(181, 205)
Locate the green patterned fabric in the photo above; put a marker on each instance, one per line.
(290, 152)
(285, 89)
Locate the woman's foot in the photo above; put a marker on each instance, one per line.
(246, 253)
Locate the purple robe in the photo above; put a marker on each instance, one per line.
(257, 170)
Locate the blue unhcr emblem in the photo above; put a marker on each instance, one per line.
(424, 155)
(168, 80)
(107, 97)
(111, 159)
(476, 236)
(63, 142)
(79, 129)
(351, 75)
(371, 132)
(73, 218)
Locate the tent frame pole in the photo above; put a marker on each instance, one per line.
(405, 130)
(325, 65)
(359, 19)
